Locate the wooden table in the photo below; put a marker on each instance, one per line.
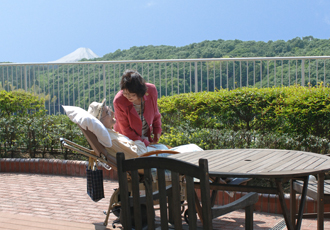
(280, 165)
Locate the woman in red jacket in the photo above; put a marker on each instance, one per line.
(136, 109)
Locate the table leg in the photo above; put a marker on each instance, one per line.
(285, 210)
(320, 200)
(198, 208)
(293, 203)
(214, 193)
(302, 203)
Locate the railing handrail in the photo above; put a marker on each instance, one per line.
(78, 83)
(172, 60)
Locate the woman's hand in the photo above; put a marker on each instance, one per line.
(156, 138)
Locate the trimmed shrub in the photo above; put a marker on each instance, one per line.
(284, 117)
(26, 129)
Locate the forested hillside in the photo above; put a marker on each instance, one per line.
(79, 84)
(306, 46)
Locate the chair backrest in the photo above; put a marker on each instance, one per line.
(98, 148)
(167, 196)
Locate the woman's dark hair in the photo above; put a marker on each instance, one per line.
(133, 82)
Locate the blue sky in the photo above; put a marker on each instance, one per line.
(43, 30)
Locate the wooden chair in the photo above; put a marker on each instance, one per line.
(312, 191)
(134, 205)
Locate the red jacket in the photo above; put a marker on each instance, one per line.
(128, 121)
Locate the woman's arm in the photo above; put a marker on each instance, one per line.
(157, 123)
(123, 123)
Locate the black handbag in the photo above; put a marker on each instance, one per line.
(94, 182)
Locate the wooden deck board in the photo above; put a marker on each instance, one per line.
(26, 222)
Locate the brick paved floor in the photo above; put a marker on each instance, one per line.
(35, 198)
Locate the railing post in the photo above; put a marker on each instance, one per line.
(104, 85)
(196, 78)
(27, 73)
(1, 85)
(25, 78)
(302, 72)
(74, 98)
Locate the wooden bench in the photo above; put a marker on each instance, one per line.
(312, 193)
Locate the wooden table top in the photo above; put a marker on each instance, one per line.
(262, 163)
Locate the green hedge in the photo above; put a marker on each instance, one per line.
(293, 110)
(284, 117)
(38, 136)
(20, 103)
(227, 139)
(26, 129)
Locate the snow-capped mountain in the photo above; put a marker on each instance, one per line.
(77, 55)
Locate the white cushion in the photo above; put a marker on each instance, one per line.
(84, 119)
(187, 148)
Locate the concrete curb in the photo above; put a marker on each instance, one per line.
(268, 203)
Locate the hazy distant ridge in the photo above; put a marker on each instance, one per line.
(305, 46)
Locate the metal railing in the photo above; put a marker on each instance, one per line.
(80, 83)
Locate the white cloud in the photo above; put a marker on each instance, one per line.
(327, 19)
(151, 3)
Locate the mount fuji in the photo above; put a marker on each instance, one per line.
(77, 55)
